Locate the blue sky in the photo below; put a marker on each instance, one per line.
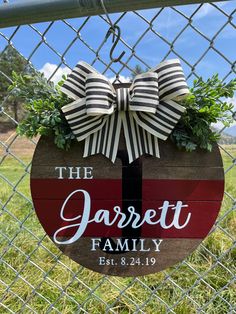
(151, 49)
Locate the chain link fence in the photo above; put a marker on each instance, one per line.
(35, 276)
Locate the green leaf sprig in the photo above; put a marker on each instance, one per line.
(43, 103)
(207, 104)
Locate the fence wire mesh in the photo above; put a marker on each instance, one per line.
(35, 276)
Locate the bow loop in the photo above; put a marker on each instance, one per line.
(74, 86)
(171, 79)
(145, 93)
(99, 96)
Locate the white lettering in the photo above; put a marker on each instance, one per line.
(95, 243)
(81, 221)
(60, 172)
(126, 245)
(134, 245)
(88, 173)
(142, 242)
(84, 220)
(157, 244)
(107, 245)
(122, 246)
(178, 209)
(75, 173)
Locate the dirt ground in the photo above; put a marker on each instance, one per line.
(17, 145)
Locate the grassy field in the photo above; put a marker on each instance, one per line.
(35, 275)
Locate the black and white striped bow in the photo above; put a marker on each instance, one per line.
(147, 110)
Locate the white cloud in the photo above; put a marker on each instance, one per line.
(122, 79)
(49, 68)
(208, 9)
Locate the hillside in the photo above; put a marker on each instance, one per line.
(231, 131)
(227, 139)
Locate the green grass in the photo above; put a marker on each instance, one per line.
(29, 263)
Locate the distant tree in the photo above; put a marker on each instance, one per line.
(137, 70)
(11, 61)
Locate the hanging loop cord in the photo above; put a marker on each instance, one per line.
(116, 36)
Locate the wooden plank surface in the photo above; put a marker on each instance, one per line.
(171, 252)
(196, 179)
(184, 172)
(47, 154)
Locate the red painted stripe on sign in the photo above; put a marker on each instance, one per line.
(111, 189)
(60, 189)
(209, 190)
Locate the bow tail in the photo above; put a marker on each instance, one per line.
(138, 140)
(161, 123)
(80, 123)
(106, 140)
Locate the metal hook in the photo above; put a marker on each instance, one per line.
(112, 30)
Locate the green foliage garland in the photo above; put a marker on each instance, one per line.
(206, 104)
(43, 104)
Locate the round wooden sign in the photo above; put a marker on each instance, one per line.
(126, 219)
